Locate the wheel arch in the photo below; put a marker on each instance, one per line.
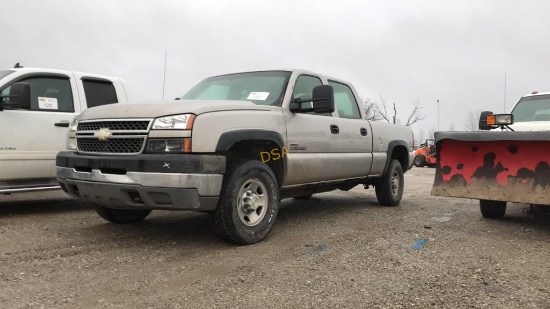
(397, 149)
(248, 143)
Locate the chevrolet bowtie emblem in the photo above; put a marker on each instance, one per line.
(103, 134)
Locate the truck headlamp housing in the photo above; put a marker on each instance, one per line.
(174, 122)
(168, 145)
(500, 119)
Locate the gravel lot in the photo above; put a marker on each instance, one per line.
(337, 250)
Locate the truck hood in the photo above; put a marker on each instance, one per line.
(531, 126)
(165, 108)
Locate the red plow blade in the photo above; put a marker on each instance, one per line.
(500, 166)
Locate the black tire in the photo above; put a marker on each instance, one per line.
(389, 189)
(122, 216)
(492, 209)
(303, 197)
(248, 205)
(419, 161)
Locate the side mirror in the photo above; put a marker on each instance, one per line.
(483, 121)
(322, 101)
(20, 95)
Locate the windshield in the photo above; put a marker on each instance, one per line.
(261, 88)
(5, 73)
(535, 108)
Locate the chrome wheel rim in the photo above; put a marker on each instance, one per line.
(394, 183)
(252, 202)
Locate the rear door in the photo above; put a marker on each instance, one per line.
(355, 139)
(31, 138)
(97, 91)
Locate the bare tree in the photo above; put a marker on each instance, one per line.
(472, 120)
(371, 110)
(415, 115)
(382, 110)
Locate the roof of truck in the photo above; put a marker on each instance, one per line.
(536, 93)
(58, 71)
(299, 71)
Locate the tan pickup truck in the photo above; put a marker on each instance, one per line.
(233, 146)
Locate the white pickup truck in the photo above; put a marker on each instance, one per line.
(36, 108)
(233, 146)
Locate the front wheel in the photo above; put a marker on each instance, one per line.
(248, 203)
(122, 216)
(389, 188)
(419, 161)
(492, 209)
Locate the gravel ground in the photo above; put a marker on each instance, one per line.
(337, 250)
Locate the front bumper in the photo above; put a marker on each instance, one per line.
(173, 182)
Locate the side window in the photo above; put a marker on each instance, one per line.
(345, 101)
(99, 92)
(304, 86)
(49, 94)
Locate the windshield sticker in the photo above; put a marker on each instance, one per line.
(47, 103)
(260, 96)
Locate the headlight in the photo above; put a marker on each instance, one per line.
(184, 121)
(168, 145)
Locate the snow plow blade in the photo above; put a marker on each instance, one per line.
(498, 166)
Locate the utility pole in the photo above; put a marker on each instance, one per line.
(164, 81)
(438, 115)
(505, 93)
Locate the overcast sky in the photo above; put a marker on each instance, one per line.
(457, 52)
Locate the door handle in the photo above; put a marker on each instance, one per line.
(62, 123)
(363, 131)
(334, 129)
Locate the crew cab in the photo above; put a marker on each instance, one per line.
(233, 146)
(36, 108)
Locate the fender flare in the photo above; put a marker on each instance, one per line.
(391, 147)
(230, 138)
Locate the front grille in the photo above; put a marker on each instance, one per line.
(126, 125)
(124, 136)
(114, 145)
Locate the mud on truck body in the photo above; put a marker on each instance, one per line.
(233, 146)
(509, 162)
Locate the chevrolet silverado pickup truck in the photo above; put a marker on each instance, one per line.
(36, 107)
(209, 151)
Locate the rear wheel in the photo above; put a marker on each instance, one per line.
(492, 209)
(389, 189)
(419, 161)
(248, 205)
(122, 216)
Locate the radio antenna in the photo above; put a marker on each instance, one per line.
(164, 81)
